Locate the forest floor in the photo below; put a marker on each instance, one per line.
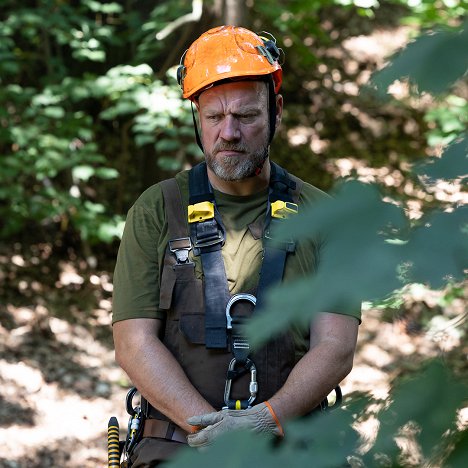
(60, 383)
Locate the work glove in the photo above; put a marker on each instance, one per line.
(260, 418)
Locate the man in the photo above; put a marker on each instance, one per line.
(182, 289)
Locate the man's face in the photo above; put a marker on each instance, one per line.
(235, 130)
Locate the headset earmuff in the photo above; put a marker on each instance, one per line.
(181, 71)
(271, 47)
(180, 75)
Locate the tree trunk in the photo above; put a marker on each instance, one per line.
(234, 12)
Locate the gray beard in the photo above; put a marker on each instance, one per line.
(234, 168)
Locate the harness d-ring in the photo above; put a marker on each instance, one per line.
(236, 298)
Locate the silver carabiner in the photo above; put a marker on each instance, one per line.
(253, 387)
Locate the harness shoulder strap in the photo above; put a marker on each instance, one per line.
(174, 208)
(207, 234)
(286, 188)
(200, 188)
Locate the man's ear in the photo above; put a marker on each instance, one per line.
(279, 109)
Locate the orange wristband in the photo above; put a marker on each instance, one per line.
(275, 418)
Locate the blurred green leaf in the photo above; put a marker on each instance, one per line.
(106, 173)
(453, 164)
(169, 164)
(166, 144)
(429, 399)
(437, 251)
(355, 263)
(110, 230)
(54, 112)
(83, 172)
(433, 62)
(459, 454)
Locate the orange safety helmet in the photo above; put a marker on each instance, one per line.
(227, 52)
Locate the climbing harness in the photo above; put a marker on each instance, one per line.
(208, 236)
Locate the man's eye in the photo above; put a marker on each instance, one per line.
(246, 117)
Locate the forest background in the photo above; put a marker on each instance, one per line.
(91, 115)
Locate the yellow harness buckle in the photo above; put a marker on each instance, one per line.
(282, 209)
(200, 212)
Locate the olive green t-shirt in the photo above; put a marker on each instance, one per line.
(140, 259)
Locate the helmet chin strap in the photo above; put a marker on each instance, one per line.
(271, 108)
(195, 126)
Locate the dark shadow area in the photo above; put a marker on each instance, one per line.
(58, 362)
(15, 413)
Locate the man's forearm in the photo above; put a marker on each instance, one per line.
(320, 370)
(155, 372)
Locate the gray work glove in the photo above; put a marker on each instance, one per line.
(260, 418)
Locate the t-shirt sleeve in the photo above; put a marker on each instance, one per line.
(136, 274)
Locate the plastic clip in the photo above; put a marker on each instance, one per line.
(200, 212)
(282, 209)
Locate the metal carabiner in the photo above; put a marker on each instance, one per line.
(253, 386)
(237, 297)
(129, 401)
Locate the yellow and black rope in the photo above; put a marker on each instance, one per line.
(113, 449)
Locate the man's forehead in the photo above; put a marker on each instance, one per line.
(235, 93)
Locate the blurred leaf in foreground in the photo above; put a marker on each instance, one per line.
(321, 440)
(438, 251)
(433, 62)
(356, 260)
(430, 400)
(453, 164)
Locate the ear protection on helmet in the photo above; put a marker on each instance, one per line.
(181, 70)
(269, 49)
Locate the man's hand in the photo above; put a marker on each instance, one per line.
(260, 418)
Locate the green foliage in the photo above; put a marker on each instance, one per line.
(410, 403)
(356, 220)
(425, 13)
(433, 62)
(448, 119)
(437, 251)
(88, 102)
(67, 130)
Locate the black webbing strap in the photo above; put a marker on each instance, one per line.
(216, 298)
(208, 239)
(176, 213)
(199, 185)
(282, 187)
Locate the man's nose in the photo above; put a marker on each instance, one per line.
(230, 129)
